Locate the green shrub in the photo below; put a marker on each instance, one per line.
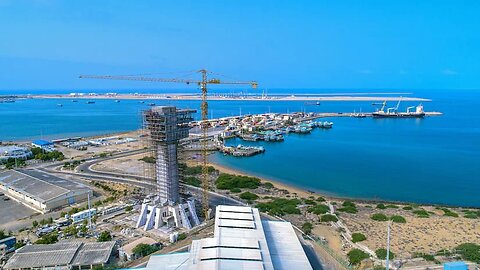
(391, 206)
(408, 207)
(349, 204)
(194, 170)
(181, 236)
(309, 202)
(307, 227)
(50, 238)
(229, 181)
(398, 219)
(348, 209)
(318, 209)
(356, 256)
(280, 206)
(268, 185)
(379, 217)
(235, 190)
(328, 218)
(104, 236)
(381, 206)
(449, 213)
(472, 216)
(382, 254)
(358, 237)
(421, 213)
(320, 199)
(151, 160)
(144, 249)
(192, 181)
(248, 196)
(469, 252)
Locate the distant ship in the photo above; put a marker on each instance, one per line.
(393, 112)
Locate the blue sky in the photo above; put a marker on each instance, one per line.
(46, 44)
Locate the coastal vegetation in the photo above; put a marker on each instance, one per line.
(469, 252)
(248, 196)
(307, 228)
(382, 254)
(379, 217)
(398, 219)
(348, 207)
(229, 181)
(280, 206)
(356, 256)
(358, 237)
(318, 209)
(194, 170)
(328, 218)
(447, 212)
(268, 185)
(422, 213)
(14, 163)
(471, 214)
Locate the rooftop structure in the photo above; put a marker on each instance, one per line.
(45, 145)
(40, 191)
(12, 151)
(241, 241)
(65, 255)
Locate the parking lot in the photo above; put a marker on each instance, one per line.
(11, 211)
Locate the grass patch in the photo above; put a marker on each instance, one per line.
(469, 252)
(358, 237)
(192, 181)
(381, 206)
(379, 217)
(318, 209)
(235, 190)
(280, 206)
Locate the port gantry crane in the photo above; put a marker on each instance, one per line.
(204, 112)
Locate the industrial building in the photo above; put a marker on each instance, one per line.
(241, 241)
(40, 191)
(44, 145)
(65, 255)
(167, 126)
(13, 151)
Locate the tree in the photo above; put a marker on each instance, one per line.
(34, 223)
(104, 236)
(356, 256)
(307, 227)
(181, 237)
(3, 234)
(50, 238)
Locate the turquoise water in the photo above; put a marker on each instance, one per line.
(431, 160)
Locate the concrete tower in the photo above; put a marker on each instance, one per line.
(167, 126)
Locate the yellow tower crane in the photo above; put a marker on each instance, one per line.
(204, 112)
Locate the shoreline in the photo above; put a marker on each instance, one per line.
(292, 97)
(301, 192)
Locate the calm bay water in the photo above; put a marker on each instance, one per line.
(431, 160)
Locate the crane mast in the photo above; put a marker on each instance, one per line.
(204, 113)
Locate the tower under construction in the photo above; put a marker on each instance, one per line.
(166, 126)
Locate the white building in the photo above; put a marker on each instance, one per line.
(241, 241)
(12, 151)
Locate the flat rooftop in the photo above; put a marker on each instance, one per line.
(60, 254)
(242, 241)
(38, 185)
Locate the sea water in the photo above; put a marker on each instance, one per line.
(430, 160)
